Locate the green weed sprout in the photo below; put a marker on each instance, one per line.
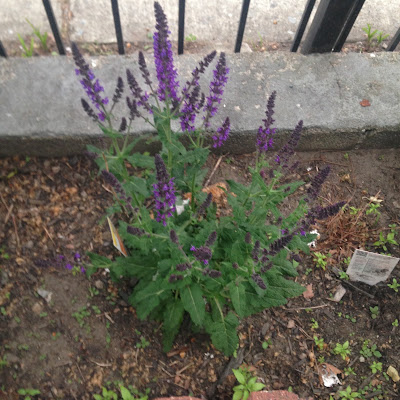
(342, 349)
(348, 394)
(26, 52)
(379, 36)
(248, 384)
(320, 259)
(374, 312)
(28, 393)
(383, 241)
(42, 38)
(319, 342)
(394, 285)
(375, 367)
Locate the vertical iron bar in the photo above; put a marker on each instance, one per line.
(327, 26)
(181, 26)
(118, 29)
(3, 52)
(302, 26)
(348, 25)
(242, 25)
(395, 41)
(54, 27)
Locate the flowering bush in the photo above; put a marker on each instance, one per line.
(214, 268)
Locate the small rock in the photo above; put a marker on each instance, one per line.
(56, 169)
(291, 324)
(99, 284)
(84, 194)
(361, 359)
(392, 372)
(37, 308)
(340, 292)
(277, 385)
(245, 48)
(46, 164)
(45, 294)
(265, 328)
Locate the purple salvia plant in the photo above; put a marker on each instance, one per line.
(140, 98)
(222, 134)
(133, 230)
(203, 206)
(216, 89)
(164, 192)
(90, 84)
(144, 70)
(211, 239)
(265, 134)
(278, 245)
(123, 125)
(166, 73)
(118, 90)
(317, 182)
(116, 185)
(259, 281)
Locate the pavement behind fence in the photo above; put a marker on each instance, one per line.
(41, 114)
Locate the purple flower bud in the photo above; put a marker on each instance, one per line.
(89, 111)
(222, 134)
(143, 69)
(235, 265)
(216, 89)
(279, 244)
(202, 254)
(284, 154)
(123, 125)
(202, 208)
(183, 267)
(247, 238)
(174, 278)
(330, 211)
(118, 90)
(135, 231)
(259, 281)
(256, 250)
(77, 256)
(68, 266)
(164, 192)
(174, 237)
(214, 273)
(317, 181)
(211, 239)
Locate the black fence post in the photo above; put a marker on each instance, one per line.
(117, 24)
(348, 25)
(242, 25)
(181, 26)
(331, 24)
(302, 26)
(395, 41)
(3, 52)
(54, 27)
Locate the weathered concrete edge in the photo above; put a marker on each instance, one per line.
(324, 90)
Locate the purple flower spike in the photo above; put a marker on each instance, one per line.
(265, 134)
(222, 134)
(259, 281)
(166, 73)
(284, 154)
(164, 192)
(90, 84)
(190, 109)
(216, 89)
(77, 256)
(202, 254)
(317, 182)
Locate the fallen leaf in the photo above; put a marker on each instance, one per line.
(308, 294)
(365, 103)
(328, 374)
(392, 372)
(291, 324)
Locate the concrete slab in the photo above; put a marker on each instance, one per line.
(40, 110)
(208, 20)
(13, 14)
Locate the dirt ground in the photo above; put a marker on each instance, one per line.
(80, 334)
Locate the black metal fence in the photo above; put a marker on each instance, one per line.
(328, 32)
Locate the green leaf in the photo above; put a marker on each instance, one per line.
(237, 395)
(238, 297)
(192, 298)
(223, 333)
(137, 185)
(239, 376)
(99, 261)
(246, 394)
(125, 393)
(257, 386)
(282, 286)
(173, 317)
(111, 133)
(147, 299)
(141, 160)
(252, 381)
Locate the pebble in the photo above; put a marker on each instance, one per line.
(99, 284)
(56, 169)
(37, 308)
(29, 244)
(46, 164)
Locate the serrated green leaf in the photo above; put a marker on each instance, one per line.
(141, 160)
(192, 298)
(99, 261)
(282, 286)
(125, 393)
(137, 185)
(147, 299)
(223, 333)
(173, 317)
(238, 297)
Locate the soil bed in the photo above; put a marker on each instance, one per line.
(86, 336)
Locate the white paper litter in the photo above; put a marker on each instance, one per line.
(370, 268)
(181, 208)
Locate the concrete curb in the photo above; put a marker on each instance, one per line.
(274, 395)
(41, 115)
